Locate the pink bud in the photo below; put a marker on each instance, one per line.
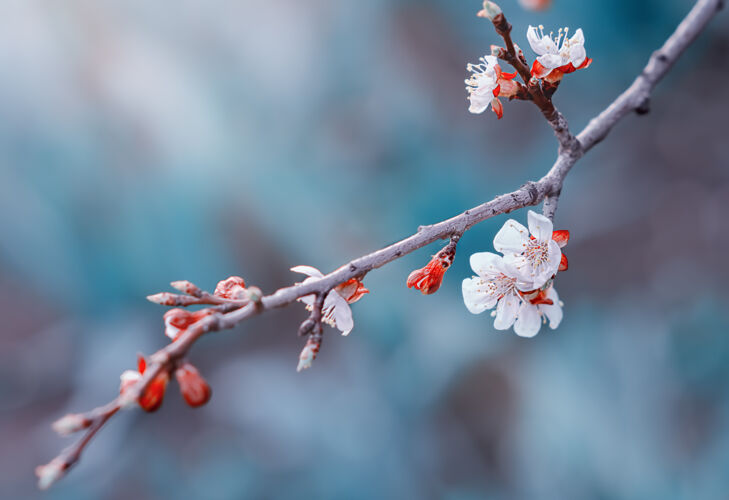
(186, 287)
(490, 10)
(178, 320)
(164, 298)
(50, 473)
(308, 353)
(70, 423)
(231, 288)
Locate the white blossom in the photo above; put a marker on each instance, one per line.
(482, 83)
(557, 52)
(496, 286)
(335, 311)
(534, 259)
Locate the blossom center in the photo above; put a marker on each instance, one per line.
(536, 253)
(498, 286)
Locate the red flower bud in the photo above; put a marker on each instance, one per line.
(563, 266)
(429, 278)
(178, 320)
(193, 387)
(151, 398)
(561, 237)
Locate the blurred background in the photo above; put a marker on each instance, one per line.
(144, 142)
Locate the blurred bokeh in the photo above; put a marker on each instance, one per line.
(144, 142)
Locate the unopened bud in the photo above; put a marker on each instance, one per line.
(490, 10)
(231, 288)
(193, 387)
(186, 287)
(177, 321)
(50, 473)
(151, 398)
(164, 298)
(255, 294)
(71, 423)
(497, 51)
(429, 278)
(308, 354)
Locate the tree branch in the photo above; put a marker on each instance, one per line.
(546, 189)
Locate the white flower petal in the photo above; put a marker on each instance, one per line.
(130, 376)
(491, 61)
(554, 256)
(578, 38)
(308, 299)
(511, 238)
(540, 226)
(535, 40)
(553, 312)
(577, 55)
(520, 269)
(528, 321)
(308, 270)
(479, 104)
(550, 61)
(506, 311)
(342, 314)
(476, 300)
(486, 264)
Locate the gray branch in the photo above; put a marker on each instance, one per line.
(547, 189)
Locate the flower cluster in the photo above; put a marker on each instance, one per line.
(556, 56)
(519, 283)
(193, 387)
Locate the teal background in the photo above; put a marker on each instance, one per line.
(144, 142)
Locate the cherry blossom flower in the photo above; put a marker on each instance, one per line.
(486, 84)
(178, 320)
(335, 311)
(496, 286)
(429, 278)
(195, 390)
(534, 259)
(151, 398)
(557, 56)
